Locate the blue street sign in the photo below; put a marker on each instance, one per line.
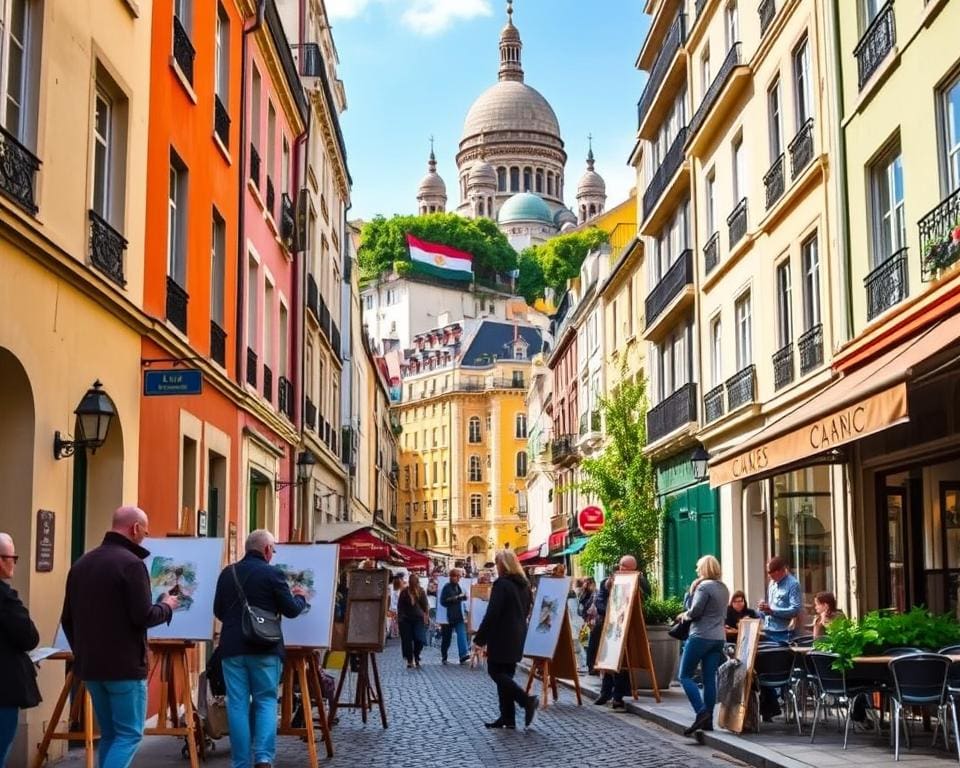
(175, 381)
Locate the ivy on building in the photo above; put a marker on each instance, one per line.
(551, 264)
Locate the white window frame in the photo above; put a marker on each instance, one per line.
(476, 506)
(716, 351)
(177, 203)
(475, 469)
(810, 259)
(731, 24)
(738, 170)
(102, 155)
(775, 120)
(221, 70)
(784, 286)
(218, 262)
(474, 435)
(710, 193)
(744, 329)
(520, 426)
(951, 133)
(889, 221)
(705, 72)
(14, 95)
(521, 464)
(801, 82)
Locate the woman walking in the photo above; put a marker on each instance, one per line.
(413, 616)
(502, 631)
(706, 602)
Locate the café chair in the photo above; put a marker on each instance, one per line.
(953, 685)
(920, 679)
(773, 669)
(802, 641)
(832, 684)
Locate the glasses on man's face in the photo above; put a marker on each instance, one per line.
(15, 558)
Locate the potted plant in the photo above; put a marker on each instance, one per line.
(658, 615)
(938, 253)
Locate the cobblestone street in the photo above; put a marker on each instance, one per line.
(436, 717)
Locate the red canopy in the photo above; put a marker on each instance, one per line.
(361, 545)
(526, 557)
(412, 558)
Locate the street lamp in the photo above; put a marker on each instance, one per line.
(699, 460)
(305, 463)
(94, 415)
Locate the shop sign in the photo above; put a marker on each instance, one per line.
(590, 519)
(173, 381)
(46, 527)
(202, 522)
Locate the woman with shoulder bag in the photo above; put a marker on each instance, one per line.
(706, 602)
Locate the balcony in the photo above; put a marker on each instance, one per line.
(335, 340)
(664, 174)
(767, 11)
(773, 182)
(711, 253)
(251, 367)
(940, 250)
(670, 414)
(285, 397)
(106, 249)
(218, 344)
(713, 404)
(801, 149)
(589, 423)
(221, 122)
(267, 383)
(310, 60)
(710, 98)
(183, 51)
(737, 223)
(875, 44)
(177, 299)
(672, 41)
(18, 171)
(887, 284)
(313, 297)
(810, 345)
(670, 286)
(254, 166)
(287, 222)
(563, 449)
(310, 415)
(271, 198)
(783, 372)
(742, 387)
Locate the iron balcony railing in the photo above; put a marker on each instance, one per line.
(783, 371)
(311, 62)
(563, 447)
(801, 149)
(731, 61)
(675, 37)
(773, 182)
(310, 414)
(221, 121)
(713, 404)
(287, 221)
(938, 248)
(671, 284)
(737, 223)
(271, 197)
(742, 387)
(672, 413)
(254, 166)
(711, 253)
(218, 344)
(106, 248)
(267, 383)
(810, 345)
(177, 299)
(18, 171)
(313, 297)
(767, 11)
(183, 51)
(876, 43)
(251, 367)
(285, 397)
(887, 284)
(665, 172)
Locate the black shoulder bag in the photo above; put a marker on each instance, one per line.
(259, 627)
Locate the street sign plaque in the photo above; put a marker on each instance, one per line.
(590, 519)
(173, 381)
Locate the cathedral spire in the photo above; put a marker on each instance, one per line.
(510, 47)
(590, 160)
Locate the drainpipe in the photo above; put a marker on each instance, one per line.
(299, 283)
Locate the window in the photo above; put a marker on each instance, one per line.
(810, 256)
(446, 508)
(716, 353)
(283, 356)
(890, 227)
(801, 82)
(473, 428)
(416, 475)
(270, 149)
(775, 127)
(253, 289)
(476, 506)
(406, 511)
(436, 507)
(527, 180)
(218, 266)
(517, 379)
(501, 179)
(285, 170)
(176, 224)
(731, 19)
(514, 179)
(951, 131)
(476, 473)
(739, 178)
(744, 332)
(102, 151)
(539, 181)
(255, 88)
(521, 463)
(222, 55)
(705, 70)
(784, 314)
(15, 64)
(521, 425)
(433, 434)
(269, 314)
(711, 203)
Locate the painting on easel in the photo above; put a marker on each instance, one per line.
(617, 620)
(187, 568)
(314, 568)
(549, 610)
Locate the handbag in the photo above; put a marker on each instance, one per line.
(680, 630)
(258, 626)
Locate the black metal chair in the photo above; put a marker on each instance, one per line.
(919, 679)
(773, 670)
(953, 688)
(833, 684)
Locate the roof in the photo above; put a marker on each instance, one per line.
(510, 105)
(525, 206)
(495, 338)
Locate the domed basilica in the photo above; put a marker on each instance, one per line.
(510, 165)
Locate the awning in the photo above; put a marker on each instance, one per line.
(868, 400)
(362, 545)
(412, 558)
(576, 547)
(557, 541)
(528, 556)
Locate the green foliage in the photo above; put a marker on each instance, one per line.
(879, 630)
(656, 611)
(383, 242)
(551, 264)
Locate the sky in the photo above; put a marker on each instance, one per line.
(412, 68)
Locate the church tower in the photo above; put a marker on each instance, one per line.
(591, 191)
(432, 192)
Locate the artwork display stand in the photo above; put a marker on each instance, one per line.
(170, 657)
(748, 638)
(562, 665)
(81, 711)
(367, 692)
(300, 667)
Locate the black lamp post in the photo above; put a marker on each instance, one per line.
(94, 415)
(699, 460)
(305, 463)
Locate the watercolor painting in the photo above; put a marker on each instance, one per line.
(300, 577)
(546, 619)
(615, 623)
(169, 576)
(314, 567)
(187, 568)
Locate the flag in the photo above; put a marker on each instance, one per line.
(440, 260)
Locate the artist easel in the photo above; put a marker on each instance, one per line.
(562, 665)
(300, 667)
(748, 639)
(82, 706)
(368, 691)
(170, 657)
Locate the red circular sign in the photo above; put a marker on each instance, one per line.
(590, 519)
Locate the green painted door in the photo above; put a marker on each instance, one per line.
(691, 530)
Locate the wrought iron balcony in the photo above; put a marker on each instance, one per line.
(773, 182)
(254, 166)
(887, 284)
(675, 37)
(671, 284)
(783, 366)
(311, 61)
(668, 169)
(183, 51)
(672, 413)
(177, 299)
(563, 448)
(251, 367)
(18, 171)
(710, 98)
(285, 397)
(267, 383)
(271, 197)
(713, 404)
(287, 221)
(221, 121)
(737, 223)
(335, 340)
(801, 149)
(310, 415)
(810, 345)
(711, 253)
(742, 387)
(218, 344)
(767, 11)
(313, 297)
(876, 43)
(939, 250)
(106, 248)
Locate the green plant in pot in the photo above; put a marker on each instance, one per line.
(658, 611)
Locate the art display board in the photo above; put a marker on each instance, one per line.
(748, 639)
(465, 585)
(366, 614)
(562, 664)
(313, 567)
(548, 615)
(479, 600)
(188, 568)
(623, 640)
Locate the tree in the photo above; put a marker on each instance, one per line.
(621, 478)
(551, 264)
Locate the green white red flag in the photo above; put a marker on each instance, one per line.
(439, 260)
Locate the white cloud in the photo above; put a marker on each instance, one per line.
(346, 9)
(423, 17)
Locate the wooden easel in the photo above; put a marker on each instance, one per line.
(82, 706)
(300, 666)
(748, 639)
(368, 691)
(170, 657)
(563, 665)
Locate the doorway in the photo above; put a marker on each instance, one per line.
(259, 490)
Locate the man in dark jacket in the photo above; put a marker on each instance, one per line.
(452, 597)
(17, 636)
(107, 611)
(252, 671)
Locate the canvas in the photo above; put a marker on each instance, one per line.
(549, 611)
(479, 600)
(313, 567)
(187, 568)
(465, 585)
(615, 623)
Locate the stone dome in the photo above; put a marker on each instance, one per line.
(432, 184)
(525, 206)
(482, 174)
(511, 105)
(565, 216)
(591, 183)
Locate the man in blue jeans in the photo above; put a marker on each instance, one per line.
(252, 671)
(782, 609)
(107, 610)
(452, 597)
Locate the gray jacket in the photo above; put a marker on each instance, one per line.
(708, 609)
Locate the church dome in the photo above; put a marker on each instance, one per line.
(432, 184)
(511, 105)
(482, 174)
(591, 183)
(525, 206)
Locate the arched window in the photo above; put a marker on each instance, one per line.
(474, 429)
(527, 180)
(521, 463)
(501, 179)
(549, 182)
(476, 506)
(476, 473)
(521, 426)
(514, 179)
(593, 211)
(539, 186)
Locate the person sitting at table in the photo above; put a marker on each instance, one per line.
(735, 611)
(825, 606)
